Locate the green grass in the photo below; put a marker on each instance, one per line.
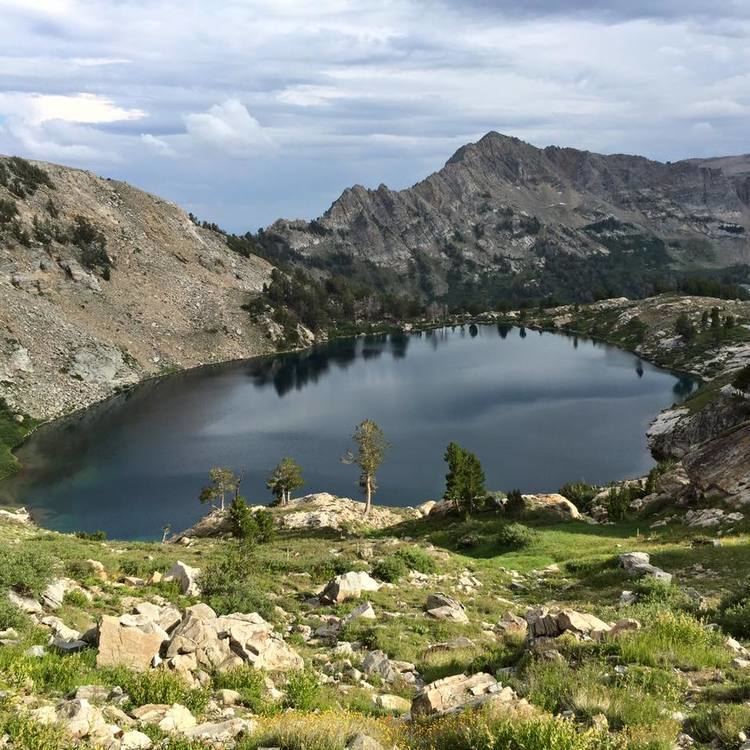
(635, 681)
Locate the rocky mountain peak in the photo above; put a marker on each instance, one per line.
(503, 217)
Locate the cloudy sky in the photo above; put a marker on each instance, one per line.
(244, 111)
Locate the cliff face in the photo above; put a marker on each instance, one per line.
(503, 207)
(102, 285)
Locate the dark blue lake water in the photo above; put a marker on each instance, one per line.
(538, 409)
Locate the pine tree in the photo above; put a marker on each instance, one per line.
(223, 481)
(464, 482)
(371, 449)
(286, 477)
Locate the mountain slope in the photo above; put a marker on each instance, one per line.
(509, 216)
(102, 285)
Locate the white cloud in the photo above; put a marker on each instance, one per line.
(307, 95)
(361, 91)
(57, 127)
(35, 109)
(44, 7)
(157, 145)
(228, 127)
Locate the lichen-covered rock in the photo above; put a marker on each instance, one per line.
(444, 607)
(553, 505)
(186, 576)
(219, 643)
(457, 692)
(123, 646)
(349, 585)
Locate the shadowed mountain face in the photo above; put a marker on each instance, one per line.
(505, 216)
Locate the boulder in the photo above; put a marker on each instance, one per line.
(545, 623)
(389, 670)
(444, 607)
(220, 643)
(631, 560)
(80, 718)
(378, 663)
(512, 623)
(639, 564)
(134, 740)
(126, 646)
(364, 742)
(220, 732)
(170, 719)
(25, 603)
(20, 515)
(53, 595)
(227, 697)
(166, 617)
(186, 576)
(394, 703)
(59, 629)
(348, 586)
(426, 508)
(456, 692)
(625, 625)
(706, 518)
(363, 611)
(97, 569)
(255, 641)
(553, 505)
(581, 623)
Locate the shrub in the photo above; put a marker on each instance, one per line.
(514, 536)
(579, 493)
(302, 690)
(514, 504)
(92, 536)
(254, 527)
(734, 613)
(618, 501)
(75, 598)
(29, 735)
(227, 585)
(28, 175)
(390, 569)
(8, 210)
(330, 568)
(11, 616)
(26, 571)
(159, 686)
(92, 244)
(249, 683)
(652, 591)
(417, 559)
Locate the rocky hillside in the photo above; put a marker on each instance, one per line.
(102, 285)
(504, 217)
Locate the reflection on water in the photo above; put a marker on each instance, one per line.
(538, 410)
